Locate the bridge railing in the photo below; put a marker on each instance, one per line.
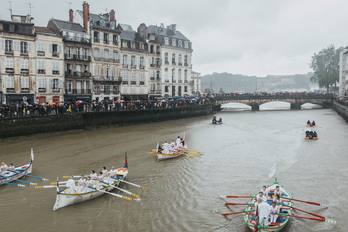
(274, 97)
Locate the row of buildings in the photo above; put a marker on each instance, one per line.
(91, 57)
(343, 73)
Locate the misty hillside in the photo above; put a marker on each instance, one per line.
(239, 83)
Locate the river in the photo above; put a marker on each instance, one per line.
(184, 192)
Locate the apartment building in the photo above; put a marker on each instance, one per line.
(17, 60)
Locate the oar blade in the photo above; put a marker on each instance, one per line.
(225, 214)
(330, 221)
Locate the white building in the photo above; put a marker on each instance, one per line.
(343, 75)
(196, 83)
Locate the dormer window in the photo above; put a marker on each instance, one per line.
(180, 44)
(166, 41)
(186, 44)
(133, 45)
(173, 42)
(142, 46)
(124, 44)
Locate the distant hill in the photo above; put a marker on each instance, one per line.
(228, 82)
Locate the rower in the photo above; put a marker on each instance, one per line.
(308, 123)
(172, 144)
(178, 140)
(81, 184)
(104, 170)
(214, 120)
(112, 172)
(313, 123)
(277, 191)
(261, 196)
(274, 212)
(70, 184)
(166, 147)
(278, 202)
(88, 184)
(315, 134)
(93, 176)
(3, 166)
(263, 190)
(220, 120)
(11, 167)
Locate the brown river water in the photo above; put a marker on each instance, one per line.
(184, 192)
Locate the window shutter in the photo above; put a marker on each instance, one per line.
(16, 45)
(2, 43)
(61, 83)
(59, 49)
(129, 60)
(51, 83)
(101, 36)
(144, 62)
(29, 46)
(110, 38)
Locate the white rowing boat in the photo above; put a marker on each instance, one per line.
(10, 175)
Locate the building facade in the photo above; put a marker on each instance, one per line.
(343, 75)
(77, 60)
(49, 57)
(196, 83)
(17, 61)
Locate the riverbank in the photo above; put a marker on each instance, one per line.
(13, 127)
(341, 110)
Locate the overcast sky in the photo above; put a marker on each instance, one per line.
(250, 37)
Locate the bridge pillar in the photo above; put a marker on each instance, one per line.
(295, 106)
(255, 106)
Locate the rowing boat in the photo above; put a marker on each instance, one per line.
(64, 198)
(17, 172)
(176, 153)
(249, 215)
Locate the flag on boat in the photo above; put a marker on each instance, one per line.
(126, 161)
(32, 154)
(272, 172)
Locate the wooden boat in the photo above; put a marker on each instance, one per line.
(249, 215)
(163, 156)
(64, 198)
(314, 138)
(16, 173)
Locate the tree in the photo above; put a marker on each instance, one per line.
(325, 65)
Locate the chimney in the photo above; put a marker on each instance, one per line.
(85, 8)
(173, 28)
(112, 16)
(71, 15)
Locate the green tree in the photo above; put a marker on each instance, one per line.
(325, 65)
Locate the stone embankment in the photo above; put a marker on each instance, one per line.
(11, 127)
(341, 110)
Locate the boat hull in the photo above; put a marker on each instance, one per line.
(250, 219)
(25, 169)
(162, 156)
(65, 199)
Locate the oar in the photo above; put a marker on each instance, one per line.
(25, 182)
(61, 182)
(314, 219)
(247, 211)
(18, 185)
(308, 202)
(313, 214)
(230, 203)
(132, 184)
(183, 153)
(114, 194)
(123, 190)
(21, 173)
(45, 186)
(67, 177)
(240, 197)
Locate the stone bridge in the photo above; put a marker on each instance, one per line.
(295, 101)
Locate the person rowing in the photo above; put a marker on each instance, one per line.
(112, 172)
(261, 196)
(313, 123)
(172, 144)
(3, 167)
(264, 191)
(81, 184)
(88, 184)
(220, 120)
(274, 212)
(308, 123)
(178, 140)
(277, 191)
(104, 170)
(277, 201)
(214, 120)
(94, 177)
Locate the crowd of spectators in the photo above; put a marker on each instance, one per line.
(342, 100)
(27, 110)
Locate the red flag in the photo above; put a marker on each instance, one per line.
(126, 161)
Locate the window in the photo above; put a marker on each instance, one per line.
(133, 82)
(142, 78)
(166, 75)
(124, 44)
(166, 89)
(24, 66)
(86, 86)
(115, 56)
(180, 59)
(186, 44)
(55, 84)
(124, 61)
(96, 53)
(133, 45)
(85, 54)
(142, 46)
(166, 41)
(185, 60)
(24, 48)
(174, 42)
(133, 62)
(96, 36)
(9, 65)
(166, 58)
(185, 76)
(96, 72)
(173, 75)
(78, 70)
(40, 49)
(115, 39)
(106, 89)
(180, 44)
(115, 73)
(25, 83)
(16, 45)
(54, 49)
(106, 55)
(79, 53)
(10, 82)
(185, 88)
(69, 69)
(69, 86)
(141, 62)
(8, 46)
(173, 59)
(41, 66)
(106, 38)
(42, 84)
(68, 52)
(179, 76)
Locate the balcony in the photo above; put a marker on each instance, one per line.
(9, 70)
(55, 54)
(142, 83)
(124, 65)
(179, 81)
(78, 57)
(10, 90)
(174, 81)
(125, 82)
(23, 70)
(133, 66)
(9, 52)
(106, 59)
(167, 81)
(55, 90)
(158, 65)
(158, 53)
(133, 82)
(186, 64)
(142, 67)
(76, 38)
(68, 56)
(87, 58)
(152, 65)
(24, 54)
(180, 64)
(116, 60)
(186, 81)
(82, 74)
(69, 73)
(25, 90)
(55, 72)
(97, 58)
(40, 53)
(41, 71)
(115, 43)
(155, 91)
(42, 90)
(79, 91)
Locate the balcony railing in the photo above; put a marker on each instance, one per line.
(42, 90)
(25, 90)
(10, 89)
(41, 71)
(9, 52)
(186, 64)
(124, 65)
(9, 70)
(116, 60)
(186, 81)
(40, 53)
(55, 54)
(55, 72)
(179, 81)
(125, 82)
(152, 65)
(68, 56)
(24, 54)
(23, 70)
(133, 66)
(133, 82)
(141, 83)
(78, 91)
(167, 81)
(141, 66)
(180, 64)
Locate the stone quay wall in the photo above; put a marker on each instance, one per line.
(341, 110)
(12, 127)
